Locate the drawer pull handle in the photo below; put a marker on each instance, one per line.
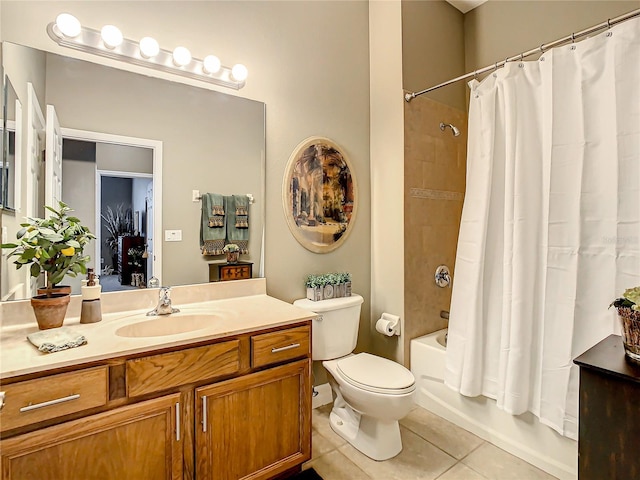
(177, 421)
(50, 402)
(204, 414)
(282, 349)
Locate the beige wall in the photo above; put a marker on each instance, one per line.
(433, 49)
(387, 171)
(499, 29)
(307, 60)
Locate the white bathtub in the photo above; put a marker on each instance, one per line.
(522, 435)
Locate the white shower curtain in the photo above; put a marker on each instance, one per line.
(550, 230)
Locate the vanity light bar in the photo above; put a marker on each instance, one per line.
(91, 41)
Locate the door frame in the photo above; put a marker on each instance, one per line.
(156, 147)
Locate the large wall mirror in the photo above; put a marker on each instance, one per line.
(138, 143)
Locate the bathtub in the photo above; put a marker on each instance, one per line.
(523, 435)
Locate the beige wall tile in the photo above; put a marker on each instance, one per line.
(435, 163)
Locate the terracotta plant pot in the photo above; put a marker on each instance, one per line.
(56, 289)
(50, 311)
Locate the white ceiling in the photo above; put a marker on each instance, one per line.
(465, 5)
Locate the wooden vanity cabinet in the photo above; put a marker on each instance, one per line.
(139, 441)
(234, 408)
(270, 431)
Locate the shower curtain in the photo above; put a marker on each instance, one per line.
(550, 230)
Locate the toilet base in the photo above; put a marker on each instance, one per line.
(377, 439)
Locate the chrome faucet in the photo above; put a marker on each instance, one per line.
(164, 304)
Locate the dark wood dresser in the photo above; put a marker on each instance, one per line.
(609, 438)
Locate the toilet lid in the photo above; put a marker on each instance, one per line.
(376, 374)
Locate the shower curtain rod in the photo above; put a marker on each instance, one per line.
(541, 49)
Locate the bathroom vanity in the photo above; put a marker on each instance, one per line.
(228, 396)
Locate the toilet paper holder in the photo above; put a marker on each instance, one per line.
(388, 324)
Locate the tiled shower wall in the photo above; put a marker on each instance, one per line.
(435, 168)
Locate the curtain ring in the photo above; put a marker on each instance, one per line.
(609, 32)
(541, 48)
(573, 39)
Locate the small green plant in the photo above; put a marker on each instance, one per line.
(630, 299)
(53, 246)
(231, 247)
(314, 281)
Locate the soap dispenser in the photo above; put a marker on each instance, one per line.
(91, 311)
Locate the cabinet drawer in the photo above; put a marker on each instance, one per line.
(280, 346)
(239, 272)
(169, 370)
(41, 399)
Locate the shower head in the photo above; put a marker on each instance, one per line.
(455, 130)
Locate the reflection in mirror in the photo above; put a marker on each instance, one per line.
(204, 141)
(10, 162)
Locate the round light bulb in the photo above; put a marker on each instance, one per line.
(149, 47)
(211, 64)
(111, 36)
(68, 25)
(181, 56)
(239, 72)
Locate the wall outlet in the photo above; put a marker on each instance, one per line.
(195, 195)
(173, 235)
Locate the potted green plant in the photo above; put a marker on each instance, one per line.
(328, 285)
(232, 250)
(53, 247)
(628, 309)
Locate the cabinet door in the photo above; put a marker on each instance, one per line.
(256, 426)
(141, 441)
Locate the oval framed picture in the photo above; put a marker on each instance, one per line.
(319, 195)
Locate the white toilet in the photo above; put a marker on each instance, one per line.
(370, 393)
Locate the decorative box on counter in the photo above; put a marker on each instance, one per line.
(328, 285)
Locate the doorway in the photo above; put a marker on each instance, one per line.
(107, 176)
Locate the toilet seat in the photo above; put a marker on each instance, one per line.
(376, 374)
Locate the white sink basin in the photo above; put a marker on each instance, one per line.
(168, 325)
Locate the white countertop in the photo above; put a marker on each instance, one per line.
(229, 316)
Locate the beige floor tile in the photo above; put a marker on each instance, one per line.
(496, 464)
(319, 444)
(335, 466)
(454, 440)
(461, 472)
(320, 422)
(419, 460)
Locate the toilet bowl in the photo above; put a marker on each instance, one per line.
(370, 393)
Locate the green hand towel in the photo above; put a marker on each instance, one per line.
(213, 226)
(237, 219)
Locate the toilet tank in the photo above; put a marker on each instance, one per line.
(335, 332)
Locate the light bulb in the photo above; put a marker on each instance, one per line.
(111, 36)
(149, 47)
(239, 72)
(181, 56)
(68, 25)
(211, 64)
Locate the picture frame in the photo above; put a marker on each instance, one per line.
(320, 194)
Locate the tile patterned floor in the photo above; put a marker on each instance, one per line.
(433, 448)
